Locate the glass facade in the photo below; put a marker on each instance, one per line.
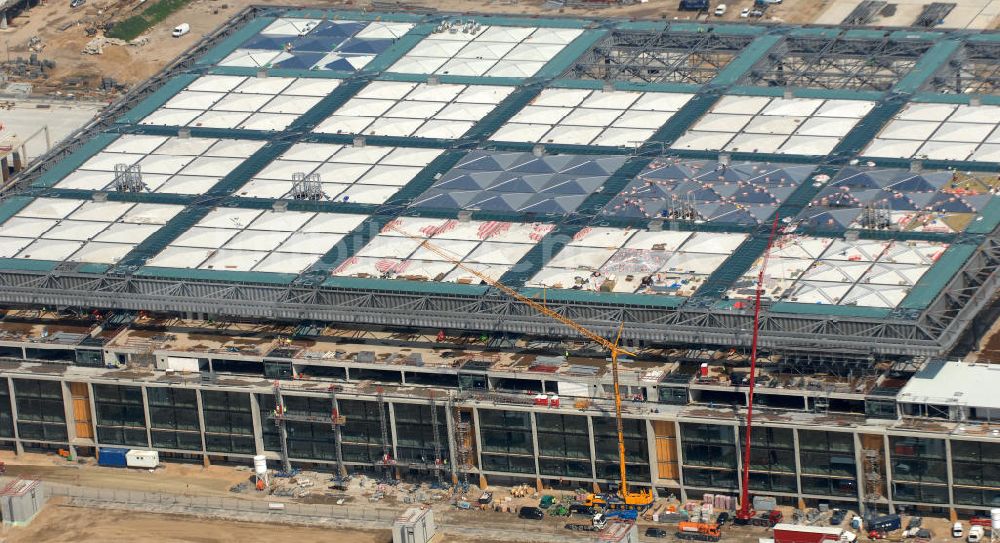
(919, 469)
(976, 472)
(563, 445)
(827, 463)
(41, 414)
(709, 455)
(415, 433)
(121, 418)
(506, 441)
(772, 459)
(606, 449)
(6, 413)
(228, 422)
(173, 417)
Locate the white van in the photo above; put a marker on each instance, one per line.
(976, 534)
(957, 530)
(180, 30)
(720, 10)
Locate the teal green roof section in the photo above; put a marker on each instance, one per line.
(962, 99)
(157, 99)
(611, 298)
(12, 205)
(816, 32)
(230, 44)
(63, 168)
(401, 285)
(93, 268)
(864, 34)
(728, 30)
(623, 85)
(987, 37)
(218, 275)
(642, 26)
(828, 309)
(988, 220)
(930, 285)
(564, 59)
(903, 35)
(745, 60)
(24, 264)
(927, 65)
(798, 92)
(352, 15)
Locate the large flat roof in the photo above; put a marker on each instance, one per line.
(954, 383)
(290, 150)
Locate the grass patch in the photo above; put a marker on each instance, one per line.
(134, 26)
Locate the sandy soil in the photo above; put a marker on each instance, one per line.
(59, 522)
(171, 477)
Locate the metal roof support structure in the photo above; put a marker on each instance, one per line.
(973, 70)
(658, 57)
(836, 63)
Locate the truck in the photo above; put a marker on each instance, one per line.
(976, 534)
(885, 523)
(794, 533)
(597, 524)
(112, 457)
(693, 5)
(698, 531)
(767, 520)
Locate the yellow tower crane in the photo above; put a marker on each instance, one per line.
(625, 499)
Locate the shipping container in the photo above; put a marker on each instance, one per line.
(112, 457)
(137, 458)
(791, 533)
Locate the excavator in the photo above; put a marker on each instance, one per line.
(623, 498)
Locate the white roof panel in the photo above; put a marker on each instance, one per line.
(946, 150)
(915, 111)
(741, 105)
(892, 148)
(792, 107)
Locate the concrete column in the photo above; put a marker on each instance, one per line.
(593, 454)
(258, 430)
(201, 427)
(449, 417)
(654, 472)
(479, 446)
(798, 467)
(534, 448)
(70, 417)
(392, 435)
(859, 471)
(887, 460)
(739, 461)
(93, 411)
(18, 447)
(951, 476)
(145, 411)
(680, 461)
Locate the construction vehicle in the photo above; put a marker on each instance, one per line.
(793, 533)
(698, 531)
(623, 498)
(746, 515)
(597, 523)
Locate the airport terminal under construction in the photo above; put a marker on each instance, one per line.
(307, 239)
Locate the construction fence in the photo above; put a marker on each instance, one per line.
(160, 502)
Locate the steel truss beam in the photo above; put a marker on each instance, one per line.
(931, 332)
(836, 63)
(973, 70)
(658, 57)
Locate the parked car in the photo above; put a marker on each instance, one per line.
(580, 509)
(744, 13)
(957, 530)
(76, 3)
(720, 10)
(757, 13)
(531, 513)
(722, 519)
(656, 532)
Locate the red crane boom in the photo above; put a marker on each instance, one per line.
(746, 512)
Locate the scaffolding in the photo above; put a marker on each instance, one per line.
(876, 216)
(280, 417)
(307, 187)
(463, 447)
(836, 63)
(933, 14)
(386, 461)
(873, 475)
(128, 178)
(864, 12)
(438, 458)
(658, 57)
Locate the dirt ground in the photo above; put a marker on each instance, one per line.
(58, 522)
(63, 31)
(170, 477)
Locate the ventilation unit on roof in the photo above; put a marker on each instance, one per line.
(307, 187)
(128, 178)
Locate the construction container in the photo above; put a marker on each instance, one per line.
(764, 503)
(20, 501)
(415, 525)
(136, 458)
(553, 400)
(112, 457)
